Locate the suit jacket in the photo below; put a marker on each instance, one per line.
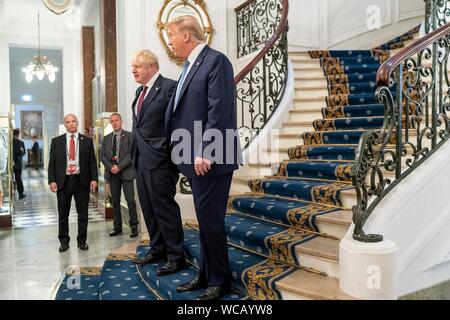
(57, 164)
(208, 95)
(18, 152)
(149, 136)
(127, 171)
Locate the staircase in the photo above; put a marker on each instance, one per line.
(283, 229)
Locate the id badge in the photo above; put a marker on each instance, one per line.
(72, 167)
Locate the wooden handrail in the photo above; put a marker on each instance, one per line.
(281, 28)
(246, 3)
(386, 69)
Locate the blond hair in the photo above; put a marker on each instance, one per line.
(146, 58)
(190, 24)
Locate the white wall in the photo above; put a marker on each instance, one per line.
(343, 24)
(71, 65)
(136, 29)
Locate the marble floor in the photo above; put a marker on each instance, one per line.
(39, 207)
(31, 266)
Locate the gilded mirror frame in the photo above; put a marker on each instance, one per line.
(198, 9)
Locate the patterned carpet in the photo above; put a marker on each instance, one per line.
(264, 226)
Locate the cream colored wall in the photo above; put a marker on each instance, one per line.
(343, 24)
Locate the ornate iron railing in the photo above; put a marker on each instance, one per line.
(260, 85)
(437, 14)
(414, 87)
(257, 22)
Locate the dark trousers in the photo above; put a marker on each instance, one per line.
(210, 200)
(19, 183)
(156, 190)
(72, 187)
(116, 184)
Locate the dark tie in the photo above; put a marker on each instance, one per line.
(141, 101)
(114, 149)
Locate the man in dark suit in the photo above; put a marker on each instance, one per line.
(72, 171)
(119, 172)
(18, 153)
(204, 101)
(156, 180)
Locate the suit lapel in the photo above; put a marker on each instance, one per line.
(193, 71)
(150, 96)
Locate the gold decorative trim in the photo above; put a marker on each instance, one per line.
(200, 10)
(58, 7)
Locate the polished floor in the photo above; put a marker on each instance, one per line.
(30, 264)
(39, 207)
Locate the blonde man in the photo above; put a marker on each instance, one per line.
(156, 177)
(205, 95)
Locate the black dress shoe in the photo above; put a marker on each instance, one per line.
(171, 267)
(83, 246)
(114, 233)
(63, 247)
(22, 196)
(213, 293)
(134, 234)
(192, 285)
(149, 258)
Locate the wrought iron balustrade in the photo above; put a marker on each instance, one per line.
(261, 84)
(437, 14)
(416, 122)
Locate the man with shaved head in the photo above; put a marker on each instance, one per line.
(72, 171)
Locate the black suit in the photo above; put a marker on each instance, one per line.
(72, 185)
(18, 153)
(156, 179)
(123, 179)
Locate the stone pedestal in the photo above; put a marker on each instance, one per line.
(368, 270)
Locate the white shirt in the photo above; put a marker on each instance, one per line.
(194, 55)
(77, 151)
(149, 85)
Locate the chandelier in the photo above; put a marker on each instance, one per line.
(40, 66)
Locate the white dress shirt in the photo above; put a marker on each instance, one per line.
(77, 151)
(194, 55)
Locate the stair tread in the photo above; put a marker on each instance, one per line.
(323, 247)
(341, 217)
(313, 286)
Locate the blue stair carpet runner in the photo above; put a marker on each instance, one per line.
(118, 279)
(81, 285)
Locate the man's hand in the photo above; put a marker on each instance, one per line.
(115, 169)
(53, 186)
(93, 186)
(202, 166)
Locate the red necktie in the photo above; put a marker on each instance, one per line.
(141, 101)
(72, 148)
(71, 168)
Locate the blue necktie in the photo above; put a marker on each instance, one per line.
(180, 83)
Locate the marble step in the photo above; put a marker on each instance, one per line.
(311, 102)
(320, 254)
(304, 285)
(335, 223)
(305, 114)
